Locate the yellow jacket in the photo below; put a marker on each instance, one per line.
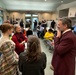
(49, 36)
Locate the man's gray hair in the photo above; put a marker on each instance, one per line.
(66, 21)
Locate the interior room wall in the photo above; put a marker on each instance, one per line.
(21, 15)
(68, 5)
(41, 16)
(45, 16)
(6, 15)
(17, 15)
(2, 7)
(54, 16)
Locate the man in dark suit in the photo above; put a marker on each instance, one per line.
(21, 23)
(63, 61)
(53, 24)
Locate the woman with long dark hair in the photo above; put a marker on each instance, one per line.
(33, 61)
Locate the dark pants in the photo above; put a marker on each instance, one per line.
(38, 34)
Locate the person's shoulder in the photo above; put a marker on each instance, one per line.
(30, 30)
(6, 44)
(43, 54)
(43, 57)
(14, 36)
(22, 54)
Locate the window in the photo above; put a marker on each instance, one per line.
(1, 13)
(1, 20)
(1, 17)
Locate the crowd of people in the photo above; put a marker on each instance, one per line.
(32, 61)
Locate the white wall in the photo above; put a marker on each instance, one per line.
(72, 12)
(68, 5)
(2, 5)
(71, 6)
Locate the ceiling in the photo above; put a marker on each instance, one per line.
(33, 5)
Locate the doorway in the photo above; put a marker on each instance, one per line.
(32, 18)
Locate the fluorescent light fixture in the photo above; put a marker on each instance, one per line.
(61, 1)
(34, 15)
(28, 15)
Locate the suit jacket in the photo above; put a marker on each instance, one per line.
(64, 54)
(32, 68)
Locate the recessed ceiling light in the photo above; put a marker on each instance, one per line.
(61, 1)
(45, 0)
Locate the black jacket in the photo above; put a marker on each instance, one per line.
(32, 68)
(29, 32)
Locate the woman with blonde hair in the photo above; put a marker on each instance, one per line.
(33, 61)
(8, 58)
(19, 39)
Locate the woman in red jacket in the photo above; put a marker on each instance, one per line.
(19, 39)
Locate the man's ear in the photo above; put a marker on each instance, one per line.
(65, 26)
